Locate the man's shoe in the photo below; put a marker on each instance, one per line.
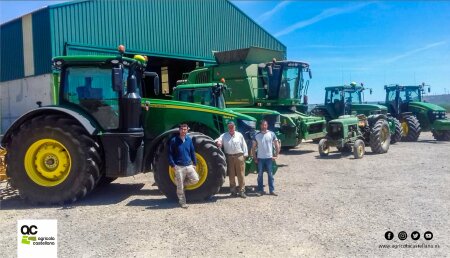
(273, 193)
(183, 205)
(233, 194)
(242, 195)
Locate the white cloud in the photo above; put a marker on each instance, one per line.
(267, 15)
(409, 53)
(323, 15)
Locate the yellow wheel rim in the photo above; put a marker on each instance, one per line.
(405, 128)
(47, 162)
(360, 150)
(202, 171)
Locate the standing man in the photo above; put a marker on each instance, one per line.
(262, 150)
(182, 160)
(236, 152)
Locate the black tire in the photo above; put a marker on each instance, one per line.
(85, 160)
(380, 137)
(413, 129)
(359, 149)
(397, 135)
(216, 165)
(441, 135)
(324, 148)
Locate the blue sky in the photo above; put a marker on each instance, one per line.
(378, 43)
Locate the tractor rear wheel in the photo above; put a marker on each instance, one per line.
(211, 168)
(324, 148)
(411, 129)
(441, 135)
(359, 149)
(397, 136)
(52, 160)
(380, 137)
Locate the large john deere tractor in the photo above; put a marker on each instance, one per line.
(100, 129)
(254, 81)
(348, 100)
(406, 103)
(355, 132)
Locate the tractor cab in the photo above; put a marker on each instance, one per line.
(209, 94)
(285, 81)
(399, 97)
(339, 99)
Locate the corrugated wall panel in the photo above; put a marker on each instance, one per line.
(188, 29)
(41, 42)
(11, 51)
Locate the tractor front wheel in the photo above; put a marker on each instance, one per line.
(211, 168)
(52, 160)
(380, 137)
(411, 129)
(324, 148)
(441, 135)
(359, 149)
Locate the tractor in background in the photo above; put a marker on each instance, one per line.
(407, 105)
(349, 100)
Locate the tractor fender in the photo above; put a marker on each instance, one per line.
(87, 124)
(373, 118)
(152, 144)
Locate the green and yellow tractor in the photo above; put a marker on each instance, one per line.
(407, 104)
(255, 81)
(349, 100)
(102, 126)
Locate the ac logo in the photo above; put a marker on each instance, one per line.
(29, 230)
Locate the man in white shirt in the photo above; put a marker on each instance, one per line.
(262, 150)
(236, 152)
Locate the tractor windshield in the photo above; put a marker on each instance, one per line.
(203, 96)
(410, 94)
(353, 96)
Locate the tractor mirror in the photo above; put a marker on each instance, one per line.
(429, 89)
(370, 91)
(310, 73)
(155, 81)
(117, 79)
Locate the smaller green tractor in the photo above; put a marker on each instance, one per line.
(355, 132)
(349, 100)
(407, 105)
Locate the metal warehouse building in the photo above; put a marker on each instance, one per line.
(177, 35)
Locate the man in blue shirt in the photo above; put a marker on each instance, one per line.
(182, 160)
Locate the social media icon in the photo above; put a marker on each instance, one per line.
(428, 235)
(415, 235)
(402, 235)
(389, 235)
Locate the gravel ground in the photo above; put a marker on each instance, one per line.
(336, 206)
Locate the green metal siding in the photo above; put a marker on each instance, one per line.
(187, 29)
(11, 51)
(41, 42)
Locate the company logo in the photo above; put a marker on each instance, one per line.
(415, 235)
(428, 235)
(402, 235)
(36, 238)
(389, 235)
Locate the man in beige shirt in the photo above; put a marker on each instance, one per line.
(236, 152)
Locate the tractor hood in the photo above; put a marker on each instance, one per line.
(345, 120)
(426, 106)
(196, 107)
(367, 109)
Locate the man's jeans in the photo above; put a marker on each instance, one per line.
(184, 176)
(267, 164)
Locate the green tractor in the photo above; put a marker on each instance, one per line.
(254, 82)
(348, 100)
(355, 132)
(406, 103)
(100, 128)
